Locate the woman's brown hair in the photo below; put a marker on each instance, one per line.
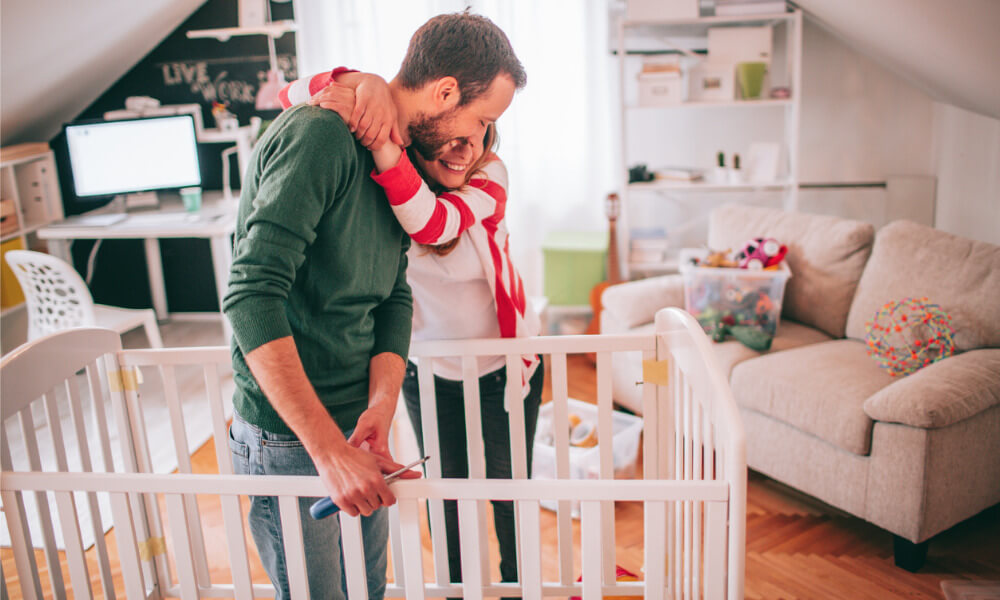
(489, 144)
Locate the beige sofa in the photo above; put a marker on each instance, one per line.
(913, 455)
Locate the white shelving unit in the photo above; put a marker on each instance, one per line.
(639, 37)
(29, 195)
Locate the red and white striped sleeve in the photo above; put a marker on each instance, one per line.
(436, 219)
(302, 89)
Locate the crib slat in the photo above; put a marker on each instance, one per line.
(295, 558)
(531, 546)
(97, 381)
(412, 556)
(591, 549)
(78, 574)
(472, 574)
(128, 552)
(474, 441)
(398, 576)
(605, 437)
(55, 429)
(514, 401)
(183, 556)
(135, 445)
(677, 575)
(560, 426)
(353, 550)
(79, 426)
(715, 550)
(20, 537)
(220, 432)
(688, 474)
(697, 506)
(655, 523)
(42, 505)
(432, 448)
(650, 424)
(236, 544)
(181, 448)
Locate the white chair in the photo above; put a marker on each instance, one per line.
(58, 299)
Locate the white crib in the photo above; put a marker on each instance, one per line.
(693, 493)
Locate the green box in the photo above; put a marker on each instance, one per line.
(575, 261)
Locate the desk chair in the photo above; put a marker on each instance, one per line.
(58, 299)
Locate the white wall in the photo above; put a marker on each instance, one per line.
(57, 57)
(967, 164)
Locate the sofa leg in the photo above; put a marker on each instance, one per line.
(908, 555)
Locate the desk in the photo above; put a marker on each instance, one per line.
(216, 221)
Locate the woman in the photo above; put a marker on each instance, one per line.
(464, 283)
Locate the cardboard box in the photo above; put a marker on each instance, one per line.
(660, 89)
(8, 216)
(651, 10)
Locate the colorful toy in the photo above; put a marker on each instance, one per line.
(718, 259)
(908, 335)
(761, 253)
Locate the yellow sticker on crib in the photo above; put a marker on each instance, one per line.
(124, 380)
(655, 372)
(154, 546)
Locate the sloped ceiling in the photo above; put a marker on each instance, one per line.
(58, 56)
(948, 48)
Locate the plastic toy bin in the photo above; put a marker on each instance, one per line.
(734, 296)
(574, 264)
(585, 463)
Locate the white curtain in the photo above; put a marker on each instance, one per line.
(557, 136)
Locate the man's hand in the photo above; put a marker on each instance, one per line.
(354, 478)
(373, 427)
(364, 102)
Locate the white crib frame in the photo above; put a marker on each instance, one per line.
(694, 486)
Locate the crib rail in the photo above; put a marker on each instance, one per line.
(410, 495)
(693, 491)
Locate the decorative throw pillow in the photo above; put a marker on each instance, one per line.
(908, 335)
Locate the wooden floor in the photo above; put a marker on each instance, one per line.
(797, 547)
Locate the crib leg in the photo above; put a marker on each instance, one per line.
(908, 555)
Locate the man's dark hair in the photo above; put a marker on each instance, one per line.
(468, 47)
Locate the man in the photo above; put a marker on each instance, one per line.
(318, 300)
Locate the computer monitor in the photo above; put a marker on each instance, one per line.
(133, 157)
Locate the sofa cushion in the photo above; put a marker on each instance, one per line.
(942, 393)
(826, 256)
(790, 335)
(819, 389)
(961, 275)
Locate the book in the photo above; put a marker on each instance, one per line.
(732, 8)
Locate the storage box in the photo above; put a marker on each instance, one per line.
(644, 10)
(574, 263)
(585, 463)
(660, 89)
(740, 296)
(8, 216)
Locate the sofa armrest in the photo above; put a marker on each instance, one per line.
(633, 303)
(943, 393)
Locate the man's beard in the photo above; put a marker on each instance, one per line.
(428, 135)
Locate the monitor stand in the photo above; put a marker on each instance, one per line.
(139, 200)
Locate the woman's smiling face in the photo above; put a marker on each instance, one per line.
(451, 167)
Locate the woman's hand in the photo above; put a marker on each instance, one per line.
(365, 103)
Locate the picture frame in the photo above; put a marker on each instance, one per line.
(712, 82)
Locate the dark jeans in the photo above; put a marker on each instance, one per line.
(496, 438)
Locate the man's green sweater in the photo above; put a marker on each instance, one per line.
(318, 256)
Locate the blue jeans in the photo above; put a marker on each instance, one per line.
(259, 452)
(496, 442)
